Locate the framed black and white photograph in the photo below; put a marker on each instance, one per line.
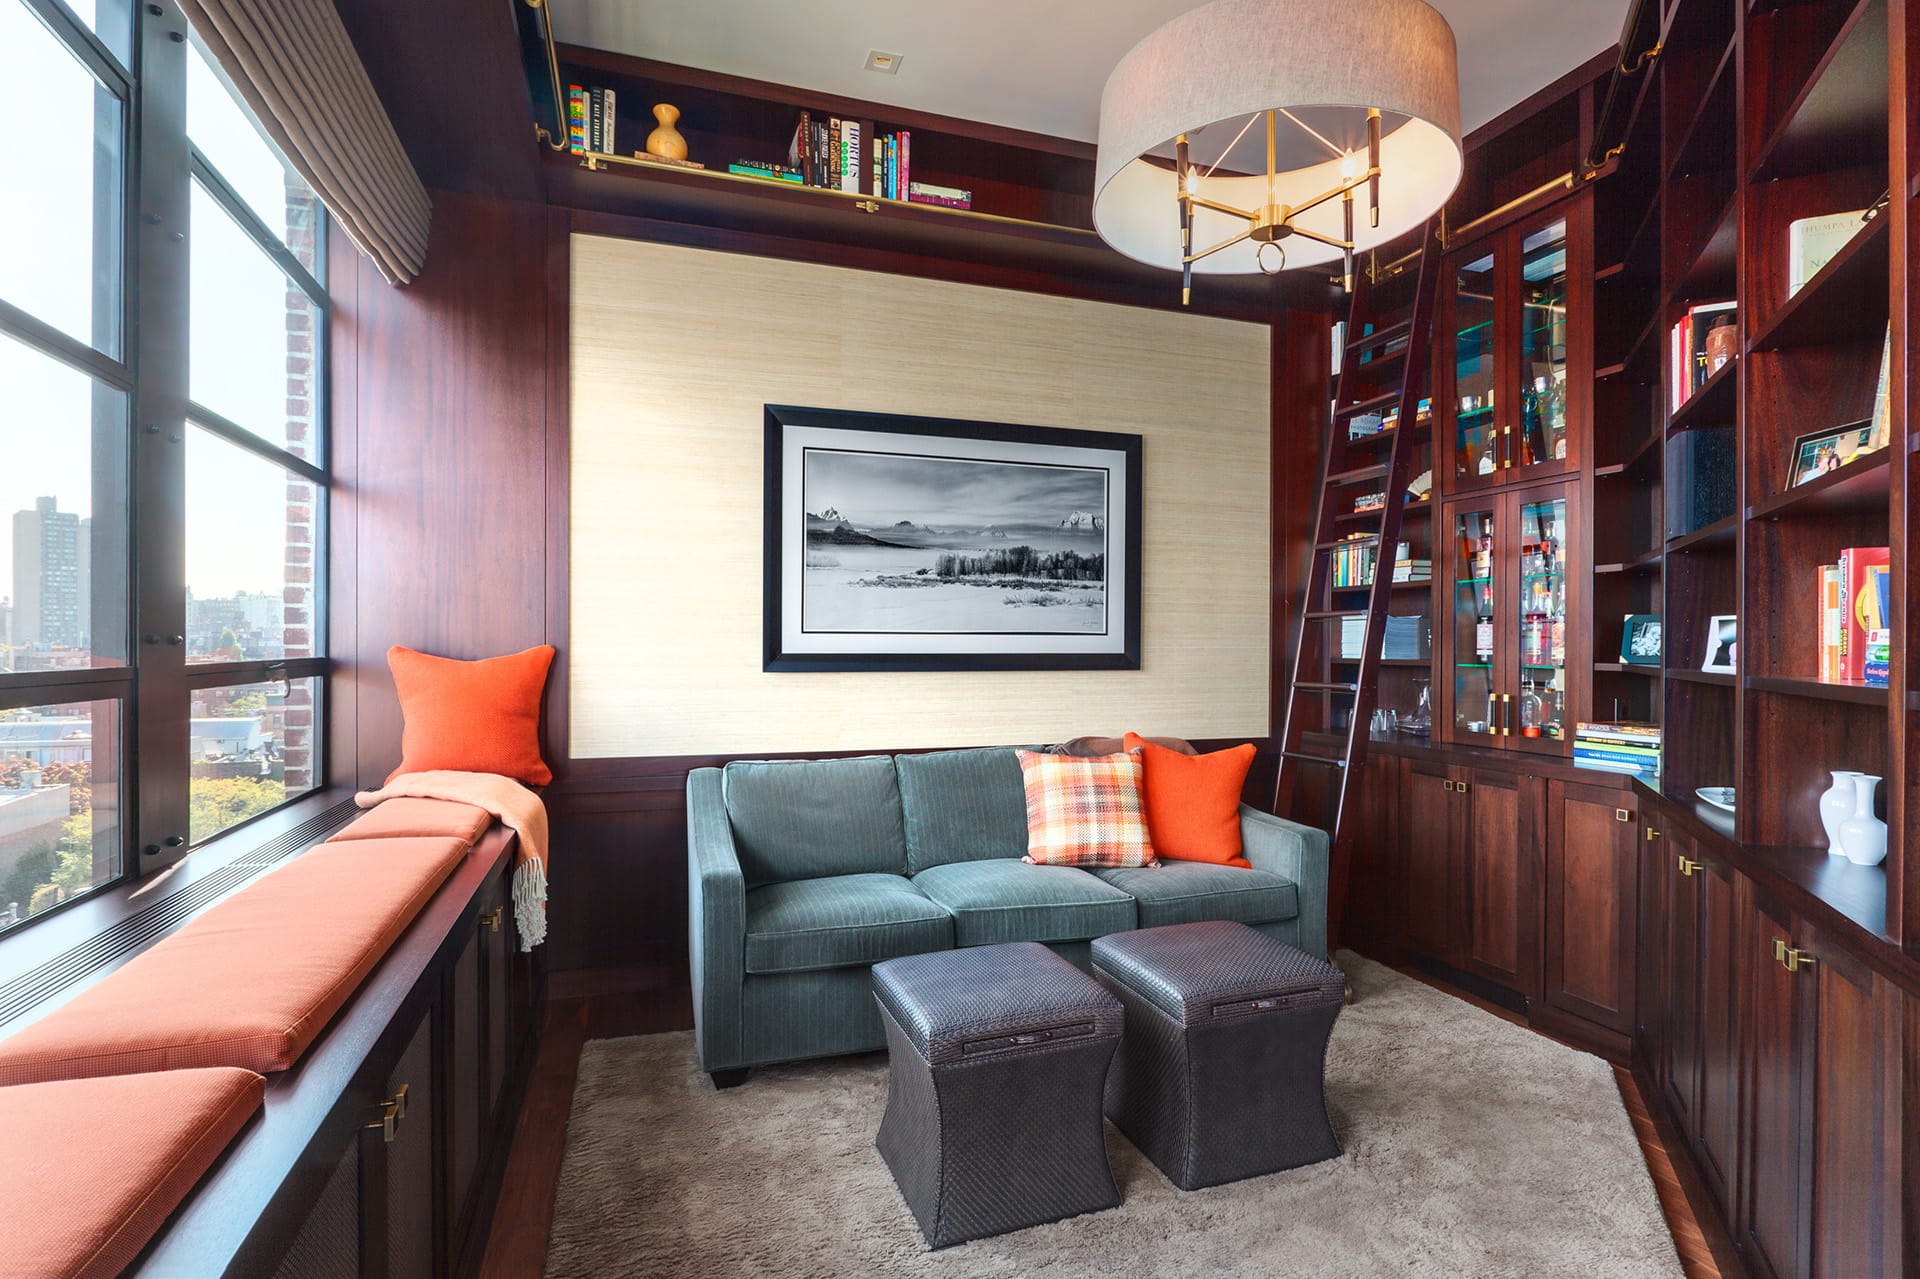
(933, 544)
(1640, 639)
(1723, 647)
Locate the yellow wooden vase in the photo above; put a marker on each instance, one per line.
(666, 141)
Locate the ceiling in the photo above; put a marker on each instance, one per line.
(1032, 64)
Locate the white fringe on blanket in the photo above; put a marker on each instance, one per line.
(530, 902)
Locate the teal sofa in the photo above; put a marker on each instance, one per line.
(803, 874)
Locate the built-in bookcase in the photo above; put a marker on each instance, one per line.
(1756, 114)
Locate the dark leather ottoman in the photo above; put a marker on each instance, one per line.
(1221, 1073)
(998, 1056)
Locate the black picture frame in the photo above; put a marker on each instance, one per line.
(1122, 635)
(1640, 639)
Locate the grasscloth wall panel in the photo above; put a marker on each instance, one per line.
(674, 353)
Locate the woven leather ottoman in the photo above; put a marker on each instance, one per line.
(1221, 1073)
(998, 1056)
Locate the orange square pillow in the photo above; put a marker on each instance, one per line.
(1193, 801)
(472, 717)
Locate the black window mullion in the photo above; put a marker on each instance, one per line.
(259, 232)
(264, 671)
(70, 351)
(45, 688)
(232, 432)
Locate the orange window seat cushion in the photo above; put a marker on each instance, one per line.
(252, 982)
(94, 1167)
(1193, 801)
(471, 717)
(408, 817)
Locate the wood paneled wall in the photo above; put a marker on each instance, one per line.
(449, 533)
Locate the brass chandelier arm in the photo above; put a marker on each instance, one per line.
(1345, 188)
(1335, 242)
(1217, 207)
(1227, 243)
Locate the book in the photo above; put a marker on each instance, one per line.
(1829, 623)
(1861, 609)
(1689, 368)
(576, 118)
(773, 173)
(1881, 421)
(1812, 243)
(609, 121)
(648, 158)
(850, 156)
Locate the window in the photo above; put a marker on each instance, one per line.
(180, 357)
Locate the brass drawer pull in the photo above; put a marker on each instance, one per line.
(1652, 833)
(392, 1111)
(1463, 787)
(1622, 815)
(1447, 785)
(1791, 958)
(490, 919)
(1688, 867)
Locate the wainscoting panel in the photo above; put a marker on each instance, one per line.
(673, 354)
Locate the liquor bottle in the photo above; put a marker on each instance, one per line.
(1483, 624)
(1557, 416)
(1533, 441)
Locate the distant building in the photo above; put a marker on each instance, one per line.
(47, 740)
(30, 818)
(227, 737)
(51, 593)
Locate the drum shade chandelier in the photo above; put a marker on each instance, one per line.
(1351, 98)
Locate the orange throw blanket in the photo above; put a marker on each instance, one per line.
(515, 806)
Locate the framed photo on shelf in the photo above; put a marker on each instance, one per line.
(933, 544)
(1819, 452)
(1640, 640)
(1723, 647)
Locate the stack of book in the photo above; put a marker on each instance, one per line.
(1856, 618)
(1406, 639)
(590, 120)
(1422, 412)
(1408, 569)
(826, 152)
(1353, 637)
(1618, 747)
(1353, 564)
(1690, 367)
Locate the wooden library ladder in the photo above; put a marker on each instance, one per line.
(1347, 466)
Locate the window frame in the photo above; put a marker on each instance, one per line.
(155, 686)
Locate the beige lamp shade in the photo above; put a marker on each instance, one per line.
(1224, 63)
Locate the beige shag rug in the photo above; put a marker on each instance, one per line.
(1473, 1148)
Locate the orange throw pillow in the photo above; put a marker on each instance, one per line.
(472, 717)
(1193, 801)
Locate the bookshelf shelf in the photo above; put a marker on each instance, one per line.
(1647, 563)
(1639, 461)
(1721, 535)
(1707, 140)
(1839, 116)
(1713, 679)
(1627, 668)
(1710, 273)
(1860, 489)
(1842, 303)
(1859, 694)
(1713, 404)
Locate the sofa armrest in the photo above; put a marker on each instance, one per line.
(716, 923)
(1298, 853)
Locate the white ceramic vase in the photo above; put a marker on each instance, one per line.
(1836, 805)
(1863, 835)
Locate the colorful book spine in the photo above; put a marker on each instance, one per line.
(775, 173)
(850, 157)
(904, 182)
(1862, 613)
(1829, 623)
(576, 118)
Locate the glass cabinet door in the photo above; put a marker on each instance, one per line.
(1541, 437)
(1477, 555)
(1476, 437)
(1539, 706)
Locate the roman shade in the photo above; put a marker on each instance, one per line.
(297, 69)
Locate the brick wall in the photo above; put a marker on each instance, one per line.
(303, 438)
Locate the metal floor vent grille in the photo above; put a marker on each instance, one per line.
(77, 962)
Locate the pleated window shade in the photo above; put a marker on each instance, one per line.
(297, 69)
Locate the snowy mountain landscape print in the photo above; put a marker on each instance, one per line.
(932, 545)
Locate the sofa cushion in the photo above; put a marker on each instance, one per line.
(252, 982)
(406, 817)
(1190, 892)
(811, 819)
(94, 1167)
(1000, 901)
(841, 921)
(962, 806)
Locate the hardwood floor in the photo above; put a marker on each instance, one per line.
(643, 1001)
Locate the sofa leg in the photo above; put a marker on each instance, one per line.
(729, 1078)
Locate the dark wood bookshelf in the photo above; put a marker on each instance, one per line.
(1713, 678)
(1722, 534)
(1847, 691)
(1859, 489)
(1713, 404)
(1843, 302)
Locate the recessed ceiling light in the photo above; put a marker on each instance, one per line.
(884, 63)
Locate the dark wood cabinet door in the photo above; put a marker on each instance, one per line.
(1720, 956)
(1502, 858)
(403, 1218)
(465, 1034)
(496, 946)
(1772, 1220)
(1431, 840)
(1680, 1071)
(1856, 1114)
(1651, 974)
(1593, 875)
(1373, 890)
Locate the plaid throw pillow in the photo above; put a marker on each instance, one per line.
(1085, 812)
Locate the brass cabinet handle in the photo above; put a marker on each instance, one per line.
(1791, 958)
(1652, 833)
(1507, 434)
(1688, 867)
(1622, 815)
(1447, 785)
(1462, 787)
(392, 1111)
(867, 206)
(1506, 707)
(490, 919)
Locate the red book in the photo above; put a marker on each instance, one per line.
(1861, 568)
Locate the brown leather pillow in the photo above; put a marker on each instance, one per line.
(1086, 747)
